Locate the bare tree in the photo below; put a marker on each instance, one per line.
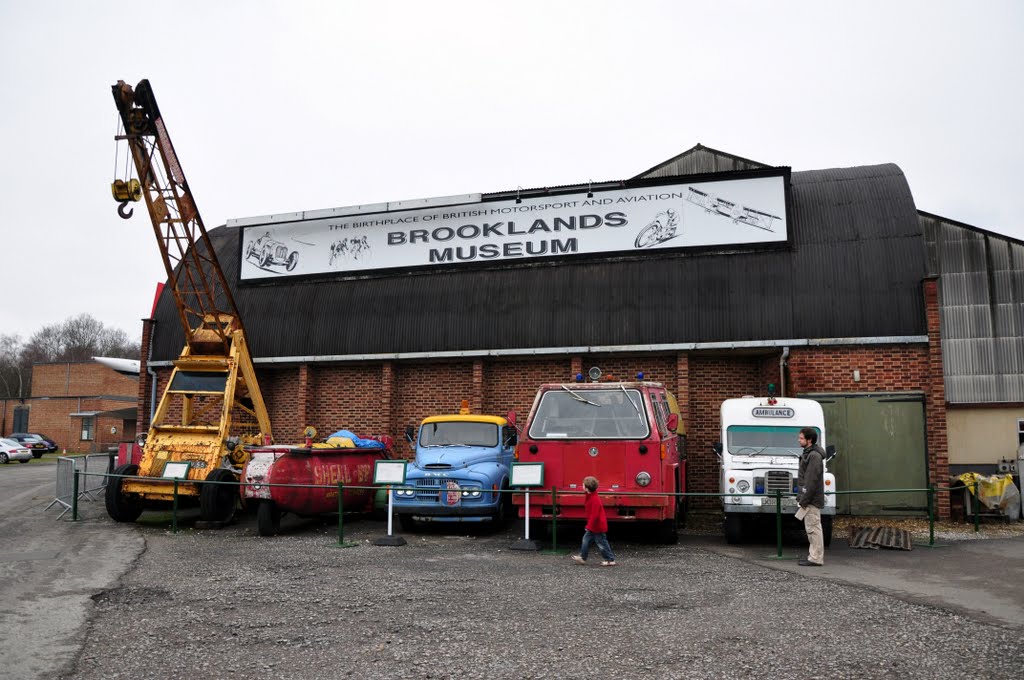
(77, 338)
(14, 375)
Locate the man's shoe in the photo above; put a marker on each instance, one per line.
(808, 563)
(578, 560)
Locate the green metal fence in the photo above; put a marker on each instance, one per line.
(931, 492)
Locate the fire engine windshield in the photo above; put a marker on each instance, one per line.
(455, 433)
(764, 440)
(582, 413)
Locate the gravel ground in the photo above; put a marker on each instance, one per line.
(229, 604)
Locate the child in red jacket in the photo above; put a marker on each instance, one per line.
(596, 530)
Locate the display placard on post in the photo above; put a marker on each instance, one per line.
(389, 472)
(526, 476)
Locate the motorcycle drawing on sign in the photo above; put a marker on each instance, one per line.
(662, 228)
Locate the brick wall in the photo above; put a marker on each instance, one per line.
(385, 397)
(60, 389)
(78, 379)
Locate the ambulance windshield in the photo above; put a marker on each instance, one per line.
(764, 440)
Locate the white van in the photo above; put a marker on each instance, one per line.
(760, 455)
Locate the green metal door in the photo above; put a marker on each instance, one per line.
(881, 444)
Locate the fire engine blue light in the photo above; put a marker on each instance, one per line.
(640, 375)
(579, 377)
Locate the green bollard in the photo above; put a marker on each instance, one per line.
(931, 515)
(977, 506)
(342, 543)
(74, 497)
(778, 523)
(554, 519)
(341, 514)
(174, 509)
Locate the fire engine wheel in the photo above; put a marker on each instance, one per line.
(826, 530)
(268, 518)
(668, 531)
(733, 529)
(407, 521)
(120, 506)
(293, 260)
(217, 501)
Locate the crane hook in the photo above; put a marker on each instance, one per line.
(123, 212)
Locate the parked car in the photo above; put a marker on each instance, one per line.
(39, 443)
(12, 450)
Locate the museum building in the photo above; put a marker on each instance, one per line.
(713, 274)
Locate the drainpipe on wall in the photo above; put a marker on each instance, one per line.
(782, 371)
(152, 381)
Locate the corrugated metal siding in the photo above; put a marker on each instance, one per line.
(981, 306)
(854, 270)
(698, 161)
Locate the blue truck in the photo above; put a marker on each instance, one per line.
(462, 464)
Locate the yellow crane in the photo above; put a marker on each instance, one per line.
(211, 406)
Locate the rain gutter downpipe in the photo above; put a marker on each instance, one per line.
(152, 376)
(782, 371)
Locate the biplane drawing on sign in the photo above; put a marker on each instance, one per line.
(667, 216)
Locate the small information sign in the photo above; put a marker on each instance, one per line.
(389, 472)
(527, 474)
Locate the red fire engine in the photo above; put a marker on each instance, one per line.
(626, 434)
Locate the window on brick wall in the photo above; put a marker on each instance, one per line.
(87, 428)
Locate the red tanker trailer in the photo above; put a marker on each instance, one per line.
(315, 470)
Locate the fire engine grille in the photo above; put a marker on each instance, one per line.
(778, 480)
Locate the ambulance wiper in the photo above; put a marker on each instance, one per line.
(580, 398)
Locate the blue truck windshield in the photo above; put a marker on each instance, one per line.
(459, 433)
(582, 413)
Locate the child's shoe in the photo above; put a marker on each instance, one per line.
(578, 560)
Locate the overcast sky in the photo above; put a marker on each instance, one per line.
(284, 106)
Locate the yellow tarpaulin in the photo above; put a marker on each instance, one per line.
(996, 492)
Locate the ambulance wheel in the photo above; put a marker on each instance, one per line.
(120, 506)
(733, 530)
(407, 521)
(826, 530)
(217, 501)
(268, 518)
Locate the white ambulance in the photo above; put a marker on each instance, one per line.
(760, 456)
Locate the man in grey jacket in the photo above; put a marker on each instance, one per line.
(811, 498)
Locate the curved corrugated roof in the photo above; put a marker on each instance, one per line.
(854, 270)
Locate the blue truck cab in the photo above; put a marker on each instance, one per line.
(462, 463)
